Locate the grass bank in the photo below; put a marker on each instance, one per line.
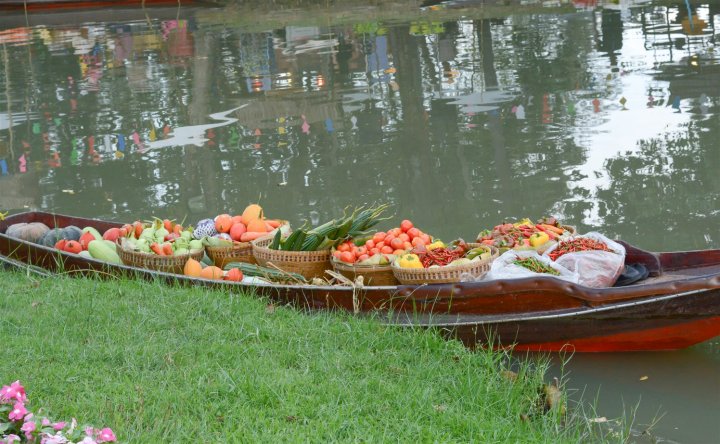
(163, 364)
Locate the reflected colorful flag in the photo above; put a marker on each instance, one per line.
(36, 128)
(3, 167)
(121, 143)
(329, 125)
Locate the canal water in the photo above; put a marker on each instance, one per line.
(604, 114)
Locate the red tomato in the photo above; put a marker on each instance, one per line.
(343, 247)
(404, 237)
(378, 237)
(386, 250)
(407, 246)
(360, 251)
(426, 239)
(337, 254)
(396, 243)
(347, 256)
(398, 252)
(413, 233)
(370, 244)
(406, 225)
(374, 251)
(418, 241)
(396, 232)
(389, 238)
(362, 257)
(379, 245)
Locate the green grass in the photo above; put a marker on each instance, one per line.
(165, 364)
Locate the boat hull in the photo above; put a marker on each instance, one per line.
(664, 323)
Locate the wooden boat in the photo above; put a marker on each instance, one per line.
(677, 306)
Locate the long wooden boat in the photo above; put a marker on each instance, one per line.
(677, 306)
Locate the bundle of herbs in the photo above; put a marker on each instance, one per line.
(331, 233)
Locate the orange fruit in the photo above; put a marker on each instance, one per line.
(192, 268)
(234, 275)
(237, 230)
(236, 219)
(223, 223)
(257, 226)
(211, 272)
(252, 212)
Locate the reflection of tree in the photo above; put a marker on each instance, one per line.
(666, 196)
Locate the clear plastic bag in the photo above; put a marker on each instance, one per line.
(595, 268)
(504, 268)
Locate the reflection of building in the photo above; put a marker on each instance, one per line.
(315, 106)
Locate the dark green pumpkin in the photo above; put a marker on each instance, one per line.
(71, 232)
(51, 237)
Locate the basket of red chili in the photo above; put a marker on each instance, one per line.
(460, 262)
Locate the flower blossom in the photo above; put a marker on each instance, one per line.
(29, 427)
(13, 391)
(59, 425)
(12, 438)
(18, 412)
(106, 435)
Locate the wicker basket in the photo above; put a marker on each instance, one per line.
(238, 252)
(445, 275)
(374, 275)
(310, 264)
(151, 261)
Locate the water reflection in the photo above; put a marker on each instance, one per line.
(572, 114)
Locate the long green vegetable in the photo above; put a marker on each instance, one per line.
(333, 232)
(264, 272)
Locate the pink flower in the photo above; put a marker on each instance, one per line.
(106, 435)
(14, 391)
(59, 425)
(45, 422)
(29, 427)
(53, 439)
(12, 438)
(18, 412)
(87, 440)
(89, 431)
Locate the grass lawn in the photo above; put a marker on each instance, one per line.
(163, 364)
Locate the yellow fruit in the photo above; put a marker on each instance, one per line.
(257, 225)
(192, 268)
(252, 212)
(436, 244)
(409, 261)
(211, 272)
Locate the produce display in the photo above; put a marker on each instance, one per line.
(437, 255)
(347, 244)
(536, 266)
(578, 244)
(331, 233)
(524, 234)
(247, 227)
(381, 248)
(162, 237)
(597, 260)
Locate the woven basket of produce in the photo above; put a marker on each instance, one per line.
(309, 264)
(473, 269)
(151, 261)
(238, 252)
(373, 275)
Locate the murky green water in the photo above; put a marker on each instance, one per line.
(607, 117)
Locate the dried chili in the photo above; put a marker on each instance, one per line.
(577, 244)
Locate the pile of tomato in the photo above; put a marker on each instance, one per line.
(395, 241)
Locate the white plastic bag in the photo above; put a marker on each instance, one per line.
(504, 268)
(595, 268)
